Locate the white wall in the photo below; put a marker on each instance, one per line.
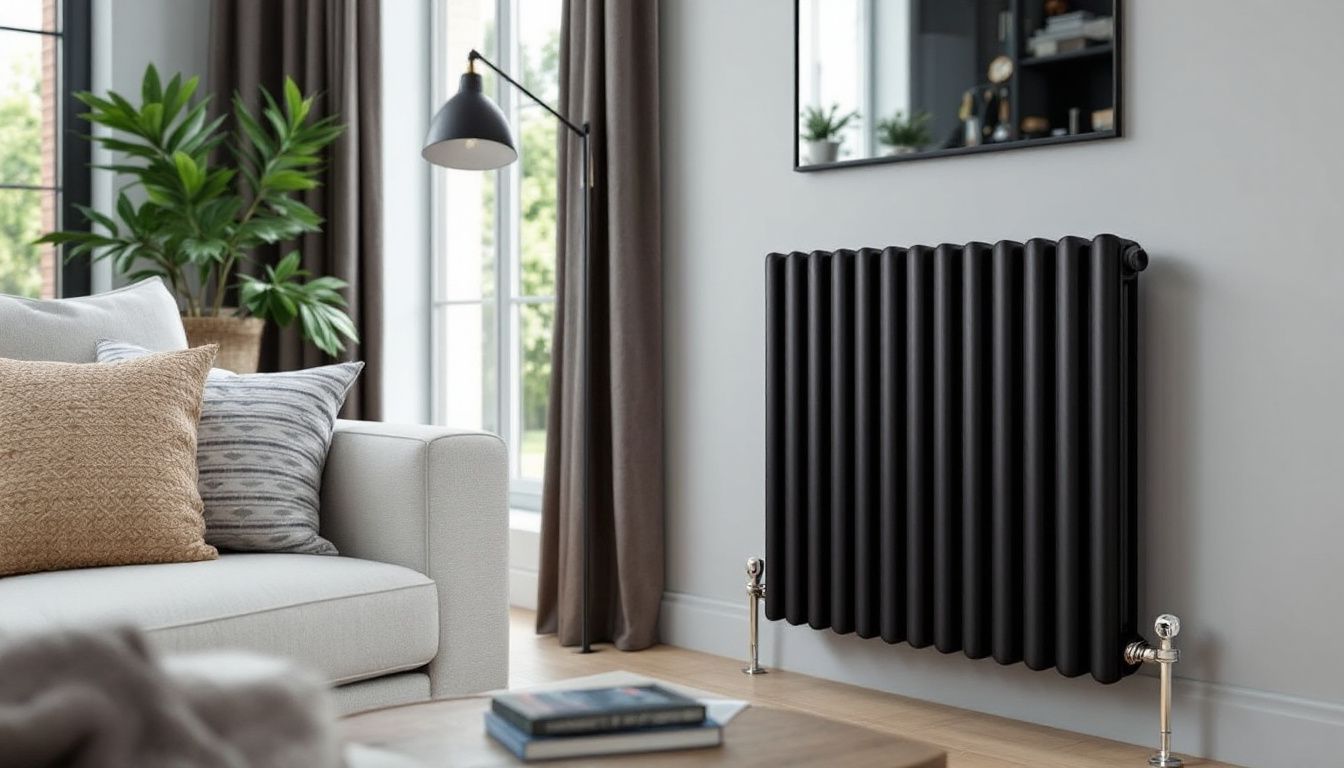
(128, 35)
(406, 273)
(1230, 176)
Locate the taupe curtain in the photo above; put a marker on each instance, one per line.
(608, 77)
(329, 47)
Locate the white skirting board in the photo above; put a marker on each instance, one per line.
(523, 588)
(1238, 725)
(524, 558)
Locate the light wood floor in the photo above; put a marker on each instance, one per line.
(972, 740)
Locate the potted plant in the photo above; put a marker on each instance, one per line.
(821, 131)
(193, 222)
(901, 136)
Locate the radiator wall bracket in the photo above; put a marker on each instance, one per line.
(1164, 655)
(755, 594)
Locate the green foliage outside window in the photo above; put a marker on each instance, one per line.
(538, 137)
(20, 163)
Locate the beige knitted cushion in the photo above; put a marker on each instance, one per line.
(98, 462)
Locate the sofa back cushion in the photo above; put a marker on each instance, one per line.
(98, 462)
(66, 330)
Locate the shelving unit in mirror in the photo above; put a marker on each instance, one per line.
(979, 77)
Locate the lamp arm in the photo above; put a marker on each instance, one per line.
(476, 56)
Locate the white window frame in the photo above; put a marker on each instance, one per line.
(524, 492)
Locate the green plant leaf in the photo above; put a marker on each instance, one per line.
(95, 217)
(288, 181)
(150, 90)
(294, 103)
(189, 173)
(287, 267)
(250, 127)
(203, 251)
(190, 127)
(278, 123)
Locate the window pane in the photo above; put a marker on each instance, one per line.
(27, 109)
(538, 132)
(29, 14)
(467, 225)
(27, 269)
(469, 24)
(539, 47)
(469, 365)
(468, 235)
(534, 374)
(537, 212)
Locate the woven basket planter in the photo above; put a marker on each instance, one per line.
(239, 340)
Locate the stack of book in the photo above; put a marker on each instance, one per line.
(1069, 32)
(599, 721)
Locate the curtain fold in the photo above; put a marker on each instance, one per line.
(609, 78)
(330, 48)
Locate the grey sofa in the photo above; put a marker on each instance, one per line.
(414, 607)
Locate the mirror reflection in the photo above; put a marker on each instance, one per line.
(897, 79)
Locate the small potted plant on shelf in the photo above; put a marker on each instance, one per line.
(901, 136)
(821, 131)
(193, 222)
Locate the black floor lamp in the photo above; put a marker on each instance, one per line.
(471, 133)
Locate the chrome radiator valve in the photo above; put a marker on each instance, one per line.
(1164, 655)
(755, 593)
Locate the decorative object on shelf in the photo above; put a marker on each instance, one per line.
(1067, 32)
(821, 131)
(1001, 69)
(1000, 72)
(1103, 119)
(1003, 129)
(901, 136)
(200, 222)
(1075, 121)
(1056, 7)
(1035, 126)
(970, 121)
(469, 132)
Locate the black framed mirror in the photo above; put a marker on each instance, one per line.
(881, 81)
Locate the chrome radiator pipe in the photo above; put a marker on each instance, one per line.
(755, 593)
(1164, 655)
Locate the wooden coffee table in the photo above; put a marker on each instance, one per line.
(452, 733)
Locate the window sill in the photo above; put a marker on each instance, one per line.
(528, 520)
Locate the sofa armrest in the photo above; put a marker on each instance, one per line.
(434, 500)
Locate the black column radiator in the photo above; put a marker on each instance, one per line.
(950, 448)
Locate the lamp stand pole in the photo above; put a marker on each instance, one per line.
(584, 132)
(587, 371)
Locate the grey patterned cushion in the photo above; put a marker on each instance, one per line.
(261, 446)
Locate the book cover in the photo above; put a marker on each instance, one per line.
(596, 710)
(527, 747)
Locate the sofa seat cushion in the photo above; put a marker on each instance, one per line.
(348, 619)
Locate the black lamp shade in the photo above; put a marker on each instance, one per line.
(469, 132)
